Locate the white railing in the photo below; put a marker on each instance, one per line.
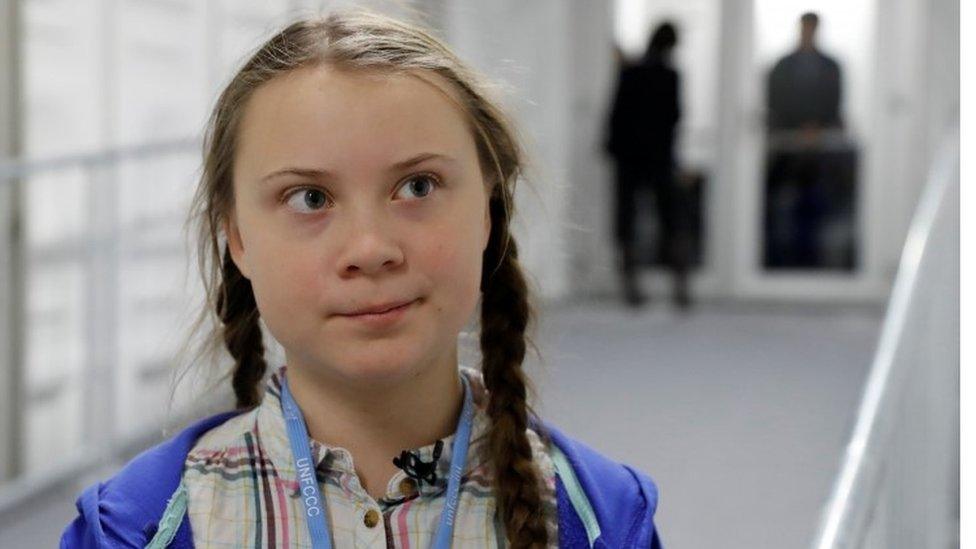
(898, 485)
(108, 238)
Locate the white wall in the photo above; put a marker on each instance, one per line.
(916, 102)
(525, 46)
(588, 227)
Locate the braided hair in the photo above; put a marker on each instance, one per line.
(238, 312)
(364, 40)
(505, 315)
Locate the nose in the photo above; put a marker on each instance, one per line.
(370, 249)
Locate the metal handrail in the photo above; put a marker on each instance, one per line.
(848, 509)
(20, 168)
(15, 493)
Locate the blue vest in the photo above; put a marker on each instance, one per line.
(600, 503)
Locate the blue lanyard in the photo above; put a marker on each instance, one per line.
(314, 502)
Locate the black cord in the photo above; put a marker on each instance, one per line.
(419, 470)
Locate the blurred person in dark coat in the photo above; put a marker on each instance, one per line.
(809, 159)
(804, 86)
(642, 123)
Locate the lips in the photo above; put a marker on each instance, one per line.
(379, 308)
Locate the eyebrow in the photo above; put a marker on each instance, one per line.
(326, 174)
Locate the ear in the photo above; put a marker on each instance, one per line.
(236, 245)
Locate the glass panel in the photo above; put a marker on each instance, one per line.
(57, 206)
(55, 357)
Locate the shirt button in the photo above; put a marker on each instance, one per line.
(371, 518)
(408, 487)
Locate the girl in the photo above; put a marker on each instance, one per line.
(362, 183)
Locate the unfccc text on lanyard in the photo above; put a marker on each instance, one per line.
(312, 497)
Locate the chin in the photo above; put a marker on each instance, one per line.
(378, 367)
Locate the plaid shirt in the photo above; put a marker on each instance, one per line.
(243, 489)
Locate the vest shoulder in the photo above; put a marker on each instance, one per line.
(623, 497)
(122, 511)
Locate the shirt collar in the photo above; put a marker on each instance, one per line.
(338, 460)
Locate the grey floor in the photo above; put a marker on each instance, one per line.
(739, 414)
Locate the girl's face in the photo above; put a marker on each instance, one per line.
(359, 191)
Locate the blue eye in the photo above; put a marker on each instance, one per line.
(314, 199)
(421, 185)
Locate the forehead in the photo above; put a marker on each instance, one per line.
(323, 114)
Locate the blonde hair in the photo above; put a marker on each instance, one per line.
(366, 41)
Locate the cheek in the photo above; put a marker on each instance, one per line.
(455, 265)
(285, 284)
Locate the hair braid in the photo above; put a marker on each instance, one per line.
(238, 310)
(505, 314)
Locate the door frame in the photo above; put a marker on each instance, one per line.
(738, 197)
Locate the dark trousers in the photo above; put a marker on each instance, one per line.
(806, 192)
(634, 178)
